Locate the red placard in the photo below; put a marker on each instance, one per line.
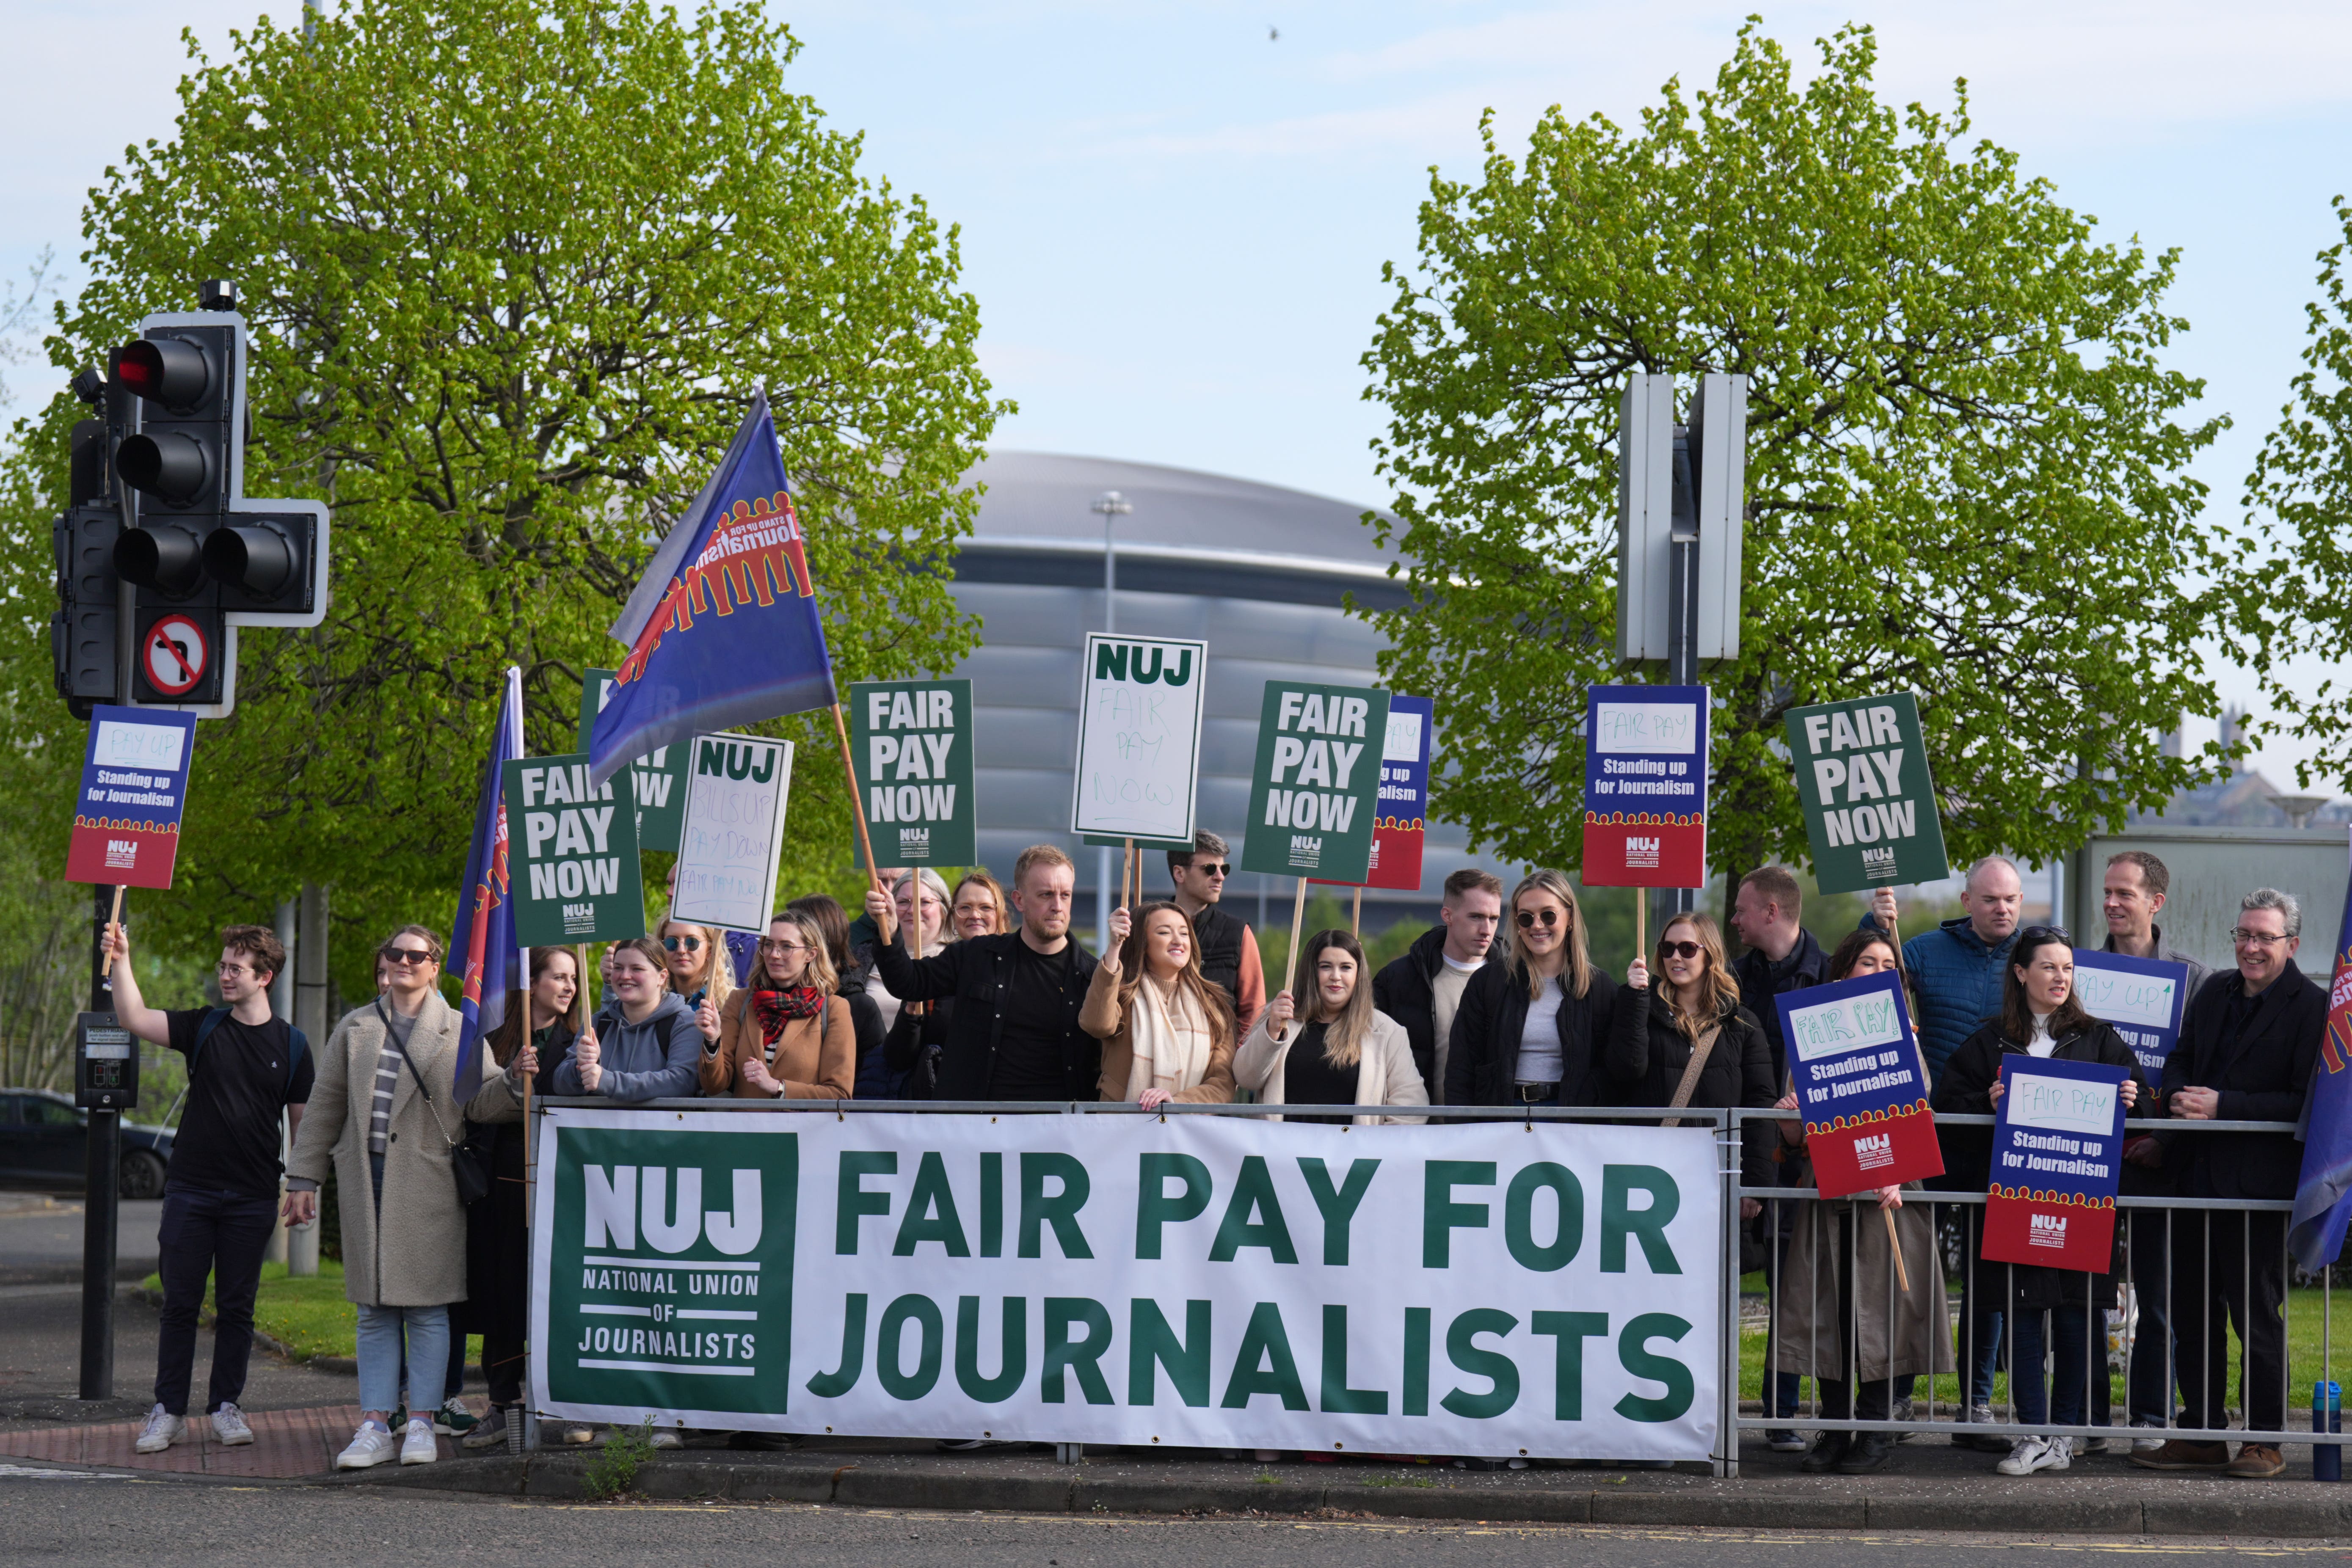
(1868, 1152)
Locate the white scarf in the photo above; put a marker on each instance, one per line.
(1172, 1045)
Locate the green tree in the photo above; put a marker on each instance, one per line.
(1967, 471)
(2294, 595)
(512, 268)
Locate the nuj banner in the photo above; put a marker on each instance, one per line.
(1501, 1290)
(1314, 787)
(2057, 1161)
(1861, 1086)
(1645, 787)
(911, 742)
(1870, 807)
(134, 791)
(2143, 997)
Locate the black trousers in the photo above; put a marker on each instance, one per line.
(220, 1234)
(2229, 1266)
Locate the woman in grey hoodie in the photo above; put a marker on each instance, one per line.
(643, 1044)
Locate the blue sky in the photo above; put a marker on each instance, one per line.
(1175, 221)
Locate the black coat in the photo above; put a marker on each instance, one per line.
(1762, 981)
(916, 1043)
(1406, 990)
(875, 1080)
(975, 972)
(1482, 1058)
(1965, 1087)
(2262, 1075)
(1647, 1056)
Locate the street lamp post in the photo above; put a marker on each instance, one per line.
(1113, 506)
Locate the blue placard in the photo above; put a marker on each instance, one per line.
(2144, 998)
(2057, 1161)
(134, 791)
(1859, 1085)
(1645, 787)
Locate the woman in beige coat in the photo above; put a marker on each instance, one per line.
(387, 1111)
(1167, 1033)
(1339, 1051)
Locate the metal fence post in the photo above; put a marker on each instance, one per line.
(1727, 1143)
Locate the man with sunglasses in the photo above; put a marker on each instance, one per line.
(1228, 948)
(2247, 1046)
(1422, 990)
(245, 1065)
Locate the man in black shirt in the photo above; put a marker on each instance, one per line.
(1015, 1032)
(220, 1201)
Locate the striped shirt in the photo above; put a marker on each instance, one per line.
(388, 1074)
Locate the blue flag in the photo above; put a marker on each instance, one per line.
(483, 945)
(2323, 1198)
(723, 628)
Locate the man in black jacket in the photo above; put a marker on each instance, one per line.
(1422, 989)
(1228, 947)
(2246, 1051)
(1015, 1032)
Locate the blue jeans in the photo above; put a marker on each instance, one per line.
(2070, 1371)
(401, 1343)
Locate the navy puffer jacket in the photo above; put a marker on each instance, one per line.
(1956, 978)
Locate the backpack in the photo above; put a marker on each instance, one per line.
(213, 1019)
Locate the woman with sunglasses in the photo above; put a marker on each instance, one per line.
(1686, 1040)
(2040, 1016)
(1532, 1029)
(822, 913)
(1817, 1293)
(787, 1036)
(700, 974)
(1335, 1052)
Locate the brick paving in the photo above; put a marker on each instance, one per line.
(285, 1443)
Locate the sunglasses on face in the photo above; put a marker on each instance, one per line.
(1213, 868)
(407, 955)
(1548, 915)
(690, 943)
(2032, 936)
(1679, 950)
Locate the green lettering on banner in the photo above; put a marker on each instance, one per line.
(1013, 1358)
(852, 1201)
(1338, 1204)
(931, 1212)
(852, 1366)
(1264, 1363)
(1252, 1194)
(1060, 1210)
(890, 1347)
(1082, 1355)
(1571, 1329)
(1441, 1216)
(1154, 1209)
(1519, 1216)
(1633, 1355)
(1462, 1348)
(991, 1205)
(1152, 1344)
(1619, 1219)
(1336, 1398)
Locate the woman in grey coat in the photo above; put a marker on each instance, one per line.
(644, 1043)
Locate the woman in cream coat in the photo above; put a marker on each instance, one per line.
(1341, 1051)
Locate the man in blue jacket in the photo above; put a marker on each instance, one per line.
(1956, 973)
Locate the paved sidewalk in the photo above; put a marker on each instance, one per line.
(286, 1443)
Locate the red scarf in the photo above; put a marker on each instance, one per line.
(776, 1008)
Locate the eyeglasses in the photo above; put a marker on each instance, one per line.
(1547, 914)
(407, 955)
(769, 944)
(1679, 950)
(1213, 868)
(2245, 938)
(231, 969)
(690, 943)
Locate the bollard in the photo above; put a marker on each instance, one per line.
(2326, 1415)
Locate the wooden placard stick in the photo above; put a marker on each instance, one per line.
(857, 812)
(1297, 937)
(1641, 925)
(1355, 919)
(106, 969)
(1127, 880)
(1894, 1244)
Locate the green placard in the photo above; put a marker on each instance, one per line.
(911, 741)
(572, 855)
(1314, 791)
(670, 1270)
(657, 777)
(1870, 807)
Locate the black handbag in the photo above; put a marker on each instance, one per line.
(469, 1157)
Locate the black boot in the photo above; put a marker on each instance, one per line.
(1829, 1447)
(1865, 1453)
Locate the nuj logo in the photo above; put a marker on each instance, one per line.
(2046, 1230)
(1874, 1149)
(1641, 851)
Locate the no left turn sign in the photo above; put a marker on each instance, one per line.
(176, 655)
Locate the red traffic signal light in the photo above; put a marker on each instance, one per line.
(168, 371)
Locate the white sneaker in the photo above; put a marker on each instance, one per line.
(371, 1446)
(2030, 1454)
(229, 1430)
(665, 1437)
(418, 1447)
(2146, 1438)
(163, 1431)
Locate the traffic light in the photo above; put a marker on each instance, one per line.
(82, 633)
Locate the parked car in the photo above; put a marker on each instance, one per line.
(44, 1144)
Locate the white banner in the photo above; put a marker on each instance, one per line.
(1496, 1289)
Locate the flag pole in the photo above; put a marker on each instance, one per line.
(857, 812)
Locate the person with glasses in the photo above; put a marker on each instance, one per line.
(1422, 989)
(2040, 1016)
(918, 1031)
(979, 908)
(246, 1066)
(1688, 1042)
(2248, 1045)
(389, 1113)
(1228, 947)
(822, 913)
(701, 975)
(936, 933)
(1532, 1029)
(787, 1036)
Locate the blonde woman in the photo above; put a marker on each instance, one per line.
(937, 932)
(700, 974)
(786, 1035)
(1337, 1051)
(1532, 1029)
(1167, 1033)
(979, 909)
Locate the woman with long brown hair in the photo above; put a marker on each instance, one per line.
(786, 1035)
(1532, 1029)
(1337, 1050)
(1687, 1041)
(1167, 1033)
